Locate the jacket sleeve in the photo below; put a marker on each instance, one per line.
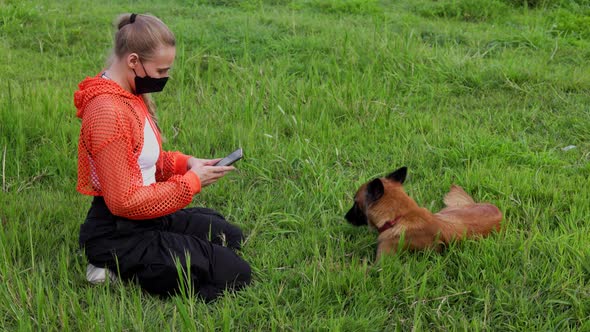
(115, 164)
(173, 163)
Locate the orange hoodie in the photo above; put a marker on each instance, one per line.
(111, 140)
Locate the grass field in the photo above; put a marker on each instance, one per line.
(323, 95)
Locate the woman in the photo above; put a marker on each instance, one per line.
(136, 226)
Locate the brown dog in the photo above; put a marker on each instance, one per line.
(384, 205)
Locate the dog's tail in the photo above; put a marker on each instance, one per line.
(475, 219)
(457, 197)
(463, 216)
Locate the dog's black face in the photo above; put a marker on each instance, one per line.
(369, 194)
(356, 216)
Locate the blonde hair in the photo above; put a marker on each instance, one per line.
(142, 34)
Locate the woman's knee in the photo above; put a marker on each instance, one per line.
(244, 273)
(230, 269)
(234, 237)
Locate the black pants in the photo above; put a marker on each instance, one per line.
(149, 250)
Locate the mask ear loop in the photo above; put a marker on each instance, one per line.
(145, 71)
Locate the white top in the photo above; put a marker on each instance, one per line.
(149, 154)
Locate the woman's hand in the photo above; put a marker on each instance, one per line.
(205, 170)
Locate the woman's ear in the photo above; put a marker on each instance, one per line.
(132, 60)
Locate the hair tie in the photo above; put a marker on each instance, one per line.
(132, 18)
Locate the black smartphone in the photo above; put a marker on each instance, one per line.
(231, 158)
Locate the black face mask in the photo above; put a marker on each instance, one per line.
(148, 84)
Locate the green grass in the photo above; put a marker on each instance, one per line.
(322, 95)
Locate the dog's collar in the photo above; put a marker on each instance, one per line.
(388, 224)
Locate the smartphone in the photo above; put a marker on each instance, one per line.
(231, 158)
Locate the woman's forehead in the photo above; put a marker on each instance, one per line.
(164, 56)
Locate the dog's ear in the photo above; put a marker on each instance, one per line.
(375, 190)
(398, 175)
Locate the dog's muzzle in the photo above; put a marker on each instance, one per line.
(356, 216)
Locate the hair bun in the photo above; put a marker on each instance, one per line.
(126, 19)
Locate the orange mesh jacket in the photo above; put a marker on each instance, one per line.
(111, 140)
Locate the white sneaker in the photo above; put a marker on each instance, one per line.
(97, 275)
